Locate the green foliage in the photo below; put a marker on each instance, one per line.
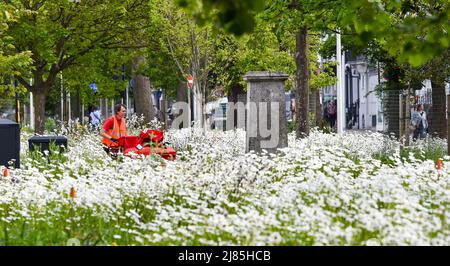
(104, 68)
(178, 48)
(291, 126)
(11, 63)
(261, 51)
(8, 88)
(50, 125)
(412, 31)
(225, 66)
(61, 35)
(169, 48)
(91, 40)
(233, 15)
(48, 161)
(265, 49)
(423, 27)
(60, 228)
(430, 149)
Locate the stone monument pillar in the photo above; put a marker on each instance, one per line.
(266, 111)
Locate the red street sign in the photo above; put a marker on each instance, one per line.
(190, 81)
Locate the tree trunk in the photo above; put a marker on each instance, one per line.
(39, 98)
(78, 107)
(312, 107)
(198, 105)
(143, 92)
(392, 110)
(182, 96)
(438, 123)
(40, 88)
(66, 106)
(182, 92)
(302, 101)
(235, 91)
(164, 110)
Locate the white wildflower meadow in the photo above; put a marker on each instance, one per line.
(323, 190)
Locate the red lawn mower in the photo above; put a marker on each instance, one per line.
(149, 141)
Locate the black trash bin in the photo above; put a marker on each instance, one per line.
(42, 143)
(9, 143)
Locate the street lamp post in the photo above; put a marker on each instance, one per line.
(31, 107)
(15, 83)
(62, 98)
(361, 67)
(340, 94)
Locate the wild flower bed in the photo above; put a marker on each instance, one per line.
(323, 190)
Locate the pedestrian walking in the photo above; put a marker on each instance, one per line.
(331, 113)
(95, 116)
(419, 122)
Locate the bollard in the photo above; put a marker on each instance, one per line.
(73, 193)
(439, 166)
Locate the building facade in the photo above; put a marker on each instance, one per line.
(363, 105)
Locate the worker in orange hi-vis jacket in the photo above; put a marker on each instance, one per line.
(114, 128)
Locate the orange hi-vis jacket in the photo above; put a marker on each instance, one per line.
(116, 132)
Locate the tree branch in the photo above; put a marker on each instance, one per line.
(23, 82)
(124, 46)
(180, 67)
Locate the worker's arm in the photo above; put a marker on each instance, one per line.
(103, 134)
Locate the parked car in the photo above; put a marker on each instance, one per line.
(8, 114)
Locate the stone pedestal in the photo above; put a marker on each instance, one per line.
(266, 111)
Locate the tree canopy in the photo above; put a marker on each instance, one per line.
(98, 41)
(11, 63)
(412, 31)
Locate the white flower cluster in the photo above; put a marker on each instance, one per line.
(326, 189)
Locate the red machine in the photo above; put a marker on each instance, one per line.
(148, 142)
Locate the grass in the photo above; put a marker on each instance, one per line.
(429, 150)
